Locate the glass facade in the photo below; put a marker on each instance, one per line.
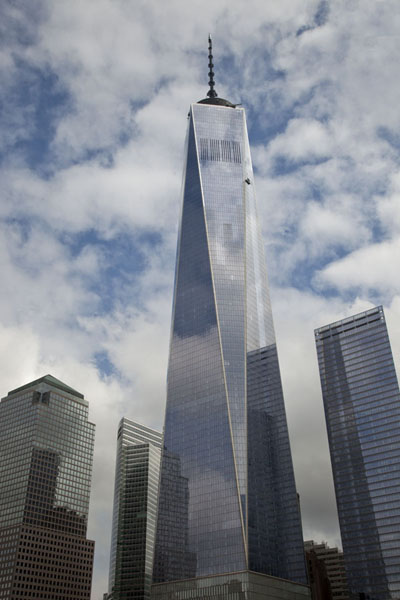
(135, 511)
(362, 409)
(227, 494)
(46, 451)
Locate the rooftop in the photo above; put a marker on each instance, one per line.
(50, 380)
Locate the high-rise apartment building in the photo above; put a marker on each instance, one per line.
(135, 511)
(46, 451)
(333, 561)
(229, 523)
(362, 409)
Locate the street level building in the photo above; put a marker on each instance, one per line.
(46, 452)
(135, 511)
(228, 522)
(362, 410)
(333, 562)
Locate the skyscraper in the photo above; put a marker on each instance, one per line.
(46, 451)
(228, 502)
(135, 510)
(362, 410)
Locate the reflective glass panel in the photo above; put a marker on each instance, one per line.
(362, 409)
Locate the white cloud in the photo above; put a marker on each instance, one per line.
(336, 223)
(371, 269)
(304, 140)
(326, 101)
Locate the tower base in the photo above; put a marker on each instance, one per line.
(243, 585)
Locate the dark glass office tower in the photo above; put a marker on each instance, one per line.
(226, 435)
(46, 451)
(362, 409)
(135, 511)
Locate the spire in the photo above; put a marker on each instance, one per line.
(212, 96)
(211, 92)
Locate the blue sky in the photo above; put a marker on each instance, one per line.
(93, 113)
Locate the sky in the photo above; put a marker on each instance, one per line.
(93, 114)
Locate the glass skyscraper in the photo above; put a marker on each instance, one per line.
(362, 409)
(228, 502)
(135, 511)
(46, 452)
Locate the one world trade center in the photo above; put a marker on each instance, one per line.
(228, 520)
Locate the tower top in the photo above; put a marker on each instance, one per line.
(212, 96)
(50, 380)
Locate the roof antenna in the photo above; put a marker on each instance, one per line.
(211, 92)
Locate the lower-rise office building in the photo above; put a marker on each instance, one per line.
(46, 452)
(135, 511)
(317, 578)
(333, 568)
(362, 410)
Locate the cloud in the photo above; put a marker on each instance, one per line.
(370, 269)
(388, 207)
(305, 140)
(336, 223)
(94, 106)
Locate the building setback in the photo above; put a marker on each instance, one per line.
(362, 410)
(317, 577)
(46, 452)
(333, 561)
(135, 511)
(229, 519)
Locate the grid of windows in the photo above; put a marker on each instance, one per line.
(333, 562)
(135, 511)
(45, 565)
(275, 539)
(362, 409)
(46, 450)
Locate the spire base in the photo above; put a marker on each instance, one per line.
(217, 102)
